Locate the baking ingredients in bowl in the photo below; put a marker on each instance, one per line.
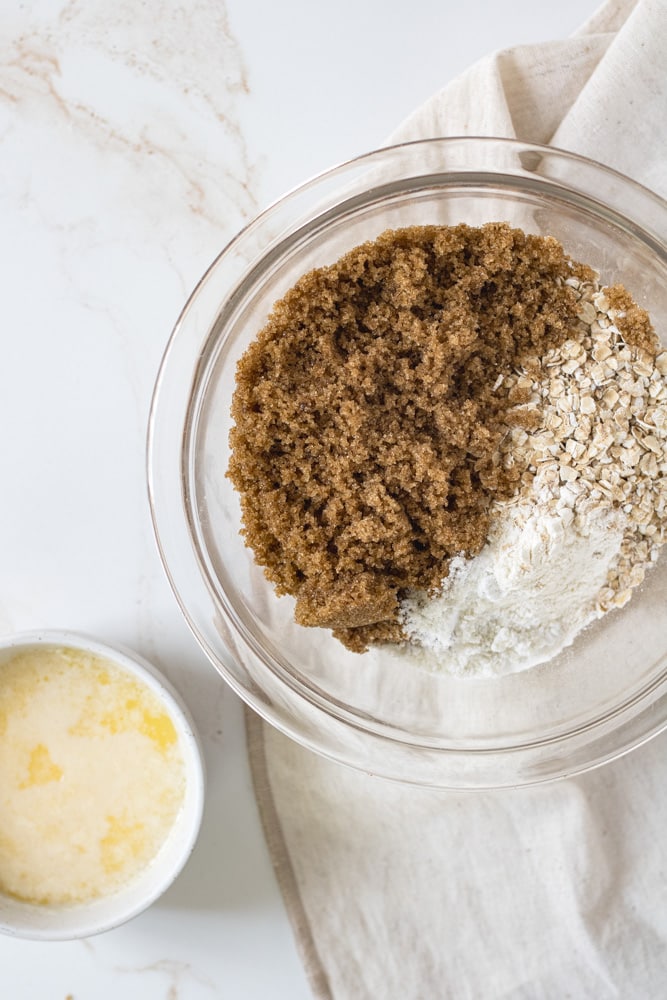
(91, 776)
(399, 401)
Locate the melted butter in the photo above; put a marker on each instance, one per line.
(41, 768)
(156, 726)
(160, 729)
(121, 838)
(91, 776)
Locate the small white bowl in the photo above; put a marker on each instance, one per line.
(67, 922)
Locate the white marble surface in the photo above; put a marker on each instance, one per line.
(137, 137)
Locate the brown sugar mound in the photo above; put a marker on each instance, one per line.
(367, 415)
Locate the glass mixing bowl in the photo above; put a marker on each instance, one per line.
(604, 695)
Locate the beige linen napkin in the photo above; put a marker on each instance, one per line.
(400, 893)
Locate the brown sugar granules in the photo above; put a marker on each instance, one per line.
(368, 415)
(633, 321)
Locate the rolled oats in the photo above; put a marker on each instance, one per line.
(601, 438)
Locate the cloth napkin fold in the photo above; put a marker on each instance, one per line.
(401, 893)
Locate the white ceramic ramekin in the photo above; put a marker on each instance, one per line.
(61, 923)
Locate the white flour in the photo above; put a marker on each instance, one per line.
(523, 599)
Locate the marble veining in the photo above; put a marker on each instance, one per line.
(122, 124)
(177, 976)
